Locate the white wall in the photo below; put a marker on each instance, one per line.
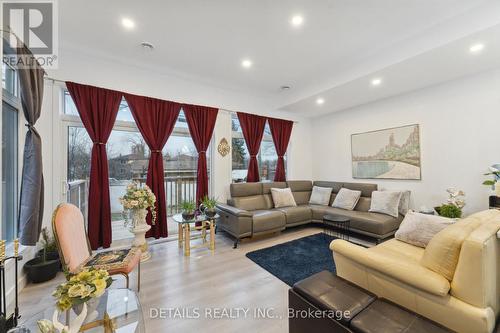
(460, 135)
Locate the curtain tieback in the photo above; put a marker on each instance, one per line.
(202, 151)
(281, 156)
(251, 156)
(156, 151)
(29, 126)
(99, 143)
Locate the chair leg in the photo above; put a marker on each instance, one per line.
(139, 277)
(127, 278)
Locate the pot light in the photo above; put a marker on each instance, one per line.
(376, 82)
(320, 101)
(297, 20)
(476, 48)
(128, 23)
(246, 63)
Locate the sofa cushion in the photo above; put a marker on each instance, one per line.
(318, 211)
(299, 185)
(346, 199)
(366, 189)
(397, 249)
(442, 253)
(386, 202)
(283, 197)
(245, 189)
(266, 187)
(404, 202)
(254, 202)
(363, 204)
(375, 223)
(301, 190)
(335, 185)
(320, 195)
(265, 220)
(296, 214)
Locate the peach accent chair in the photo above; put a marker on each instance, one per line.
(74, 247)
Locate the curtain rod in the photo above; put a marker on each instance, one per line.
(226, 110)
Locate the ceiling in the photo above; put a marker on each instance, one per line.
(339, 46)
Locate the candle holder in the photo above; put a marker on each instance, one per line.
(9, 321)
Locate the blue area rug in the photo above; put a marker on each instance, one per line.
(295, 260)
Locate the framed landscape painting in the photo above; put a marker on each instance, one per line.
(392, 153)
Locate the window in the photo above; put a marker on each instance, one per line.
(10, 190)
(267, 157)
(128, 160)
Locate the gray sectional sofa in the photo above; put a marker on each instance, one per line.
(251, 212)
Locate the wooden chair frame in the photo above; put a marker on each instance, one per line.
(63, 261)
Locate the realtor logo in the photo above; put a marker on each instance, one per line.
(35, 24)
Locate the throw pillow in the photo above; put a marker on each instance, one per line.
(385, 202)
(346, 199)
(320, 195)
(282, 197)
(404, 203)
(418, 229)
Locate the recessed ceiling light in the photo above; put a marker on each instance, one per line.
(376, 82)
(476, 48)
(297, 20)
(128, 23)
(246, 63)
(285, 87)
(320, 101)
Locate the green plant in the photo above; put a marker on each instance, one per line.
(451, 211)
(188, 206)
(209, 202)
(493, 172)
(49, 243)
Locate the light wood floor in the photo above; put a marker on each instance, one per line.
(225, 279)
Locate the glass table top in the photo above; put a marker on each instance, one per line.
(199, 218)
(120, 307)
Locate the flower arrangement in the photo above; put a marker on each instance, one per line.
(455, 204)
(81, 287)
(137, 197)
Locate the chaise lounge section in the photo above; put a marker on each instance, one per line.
(250, 211)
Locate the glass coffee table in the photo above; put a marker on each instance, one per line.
(207, 225)
(118, 311)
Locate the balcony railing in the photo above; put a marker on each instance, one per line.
(179, 186)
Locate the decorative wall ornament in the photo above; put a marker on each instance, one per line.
(223, 148)
(392, 153)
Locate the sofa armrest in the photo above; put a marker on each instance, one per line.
(408, 273)
(234, 211)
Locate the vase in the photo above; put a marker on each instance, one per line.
(497, 189)
(139, 229)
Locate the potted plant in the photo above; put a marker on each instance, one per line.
(454, 205)
(209, 206)
(49, 246)
(43, 267)
(493, 182)
(450, 211)
(188, 208)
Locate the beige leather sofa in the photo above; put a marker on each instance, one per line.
(250, 211)
(466, 299)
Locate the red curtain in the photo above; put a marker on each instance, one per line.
(281, 130)
(98, 108)
(201, 123)
(156, 120)
(253, 130)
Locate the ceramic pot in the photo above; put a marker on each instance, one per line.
(139, 229)
(188, 216)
